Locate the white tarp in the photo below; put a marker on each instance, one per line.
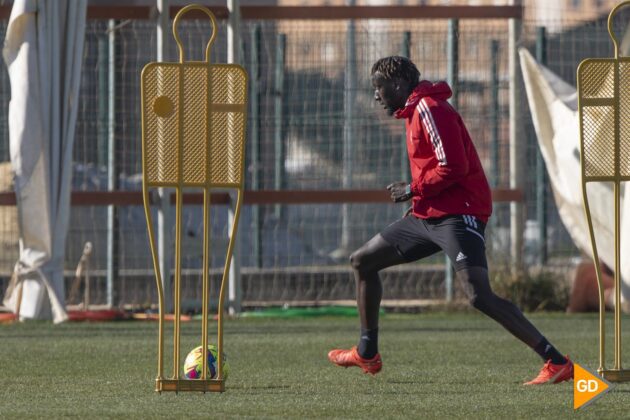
(553, 105)
(43, 51)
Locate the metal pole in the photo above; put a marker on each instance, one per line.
(452, 53)
(254, 139)
(405, 51)
(234, 275)
(164, 210)
(541, 181)
(516, 146)
(112, 184)
(279, 182)
(101, 140)
(495, 221)
(233, 56)
(233, 31)
(348, 130)
(102, 149)
(494, 112)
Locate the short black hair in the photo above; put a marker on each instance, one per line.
(397, 67)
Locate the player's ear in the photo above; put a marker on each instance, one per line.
(400, 84)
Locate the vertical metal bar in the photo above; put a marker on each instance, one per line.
(254, 139)
(494, 112)
(541, 181)
(112, 223)
(101, 139)
(234, 290)
(86, 292)
(405, 51)
(207, 226)
(162, 28)
(164, 210)
(179, 192)
(349, 93)
(617, 277)
(233, 228)
(452, 53)
(279, 181)
(516, 145)
(204, 278)
(177, 289)
(233, 31)
(154, 257)
(494, 126)
(102, 148)
(602, 304)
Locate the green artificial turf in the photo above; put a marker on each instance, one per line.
(437, 365)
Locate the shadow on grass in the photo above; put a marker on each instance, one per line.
(263, 387)
(437, 329)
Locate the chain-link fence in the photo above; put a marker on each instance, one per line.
(313, 125)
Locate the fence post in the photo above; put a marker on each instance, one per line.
(279, 175)
(452, 54)
(254, 139)
(516, 145)
(101, 140)
(349, 93)
(494, 112)
(405, 51)
(112, 173)
(102, 149)
(234, 275)
(495, 151)
(541, 178)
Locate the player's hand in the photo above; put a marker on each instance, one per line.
(400, 191)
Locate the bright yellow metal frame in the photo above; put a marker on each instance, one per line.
(586, 76)
(162, 107)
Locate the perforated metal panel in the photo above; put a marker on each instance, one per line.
(604, 117)
(196, 111)
(160, 115)
(624, 117)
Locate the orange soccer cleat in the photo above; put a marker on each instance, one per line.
(351, 357)
(553, 374)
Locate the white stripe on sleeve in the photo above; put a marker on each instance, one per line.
(429, 125)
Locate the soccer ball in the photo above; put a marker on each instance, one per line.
(194, 361)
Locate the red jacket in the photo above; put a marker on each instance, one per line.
(447, 176)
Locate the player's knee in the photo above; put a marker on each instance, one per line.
(359, 261)
(476, 287)
(479, 302)
(488, 303)
(476, 298)
(356, 260)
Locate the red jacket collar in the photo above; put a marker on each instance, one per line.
(438, 90)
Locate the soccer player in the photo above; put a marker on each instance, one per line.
(451, 204)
